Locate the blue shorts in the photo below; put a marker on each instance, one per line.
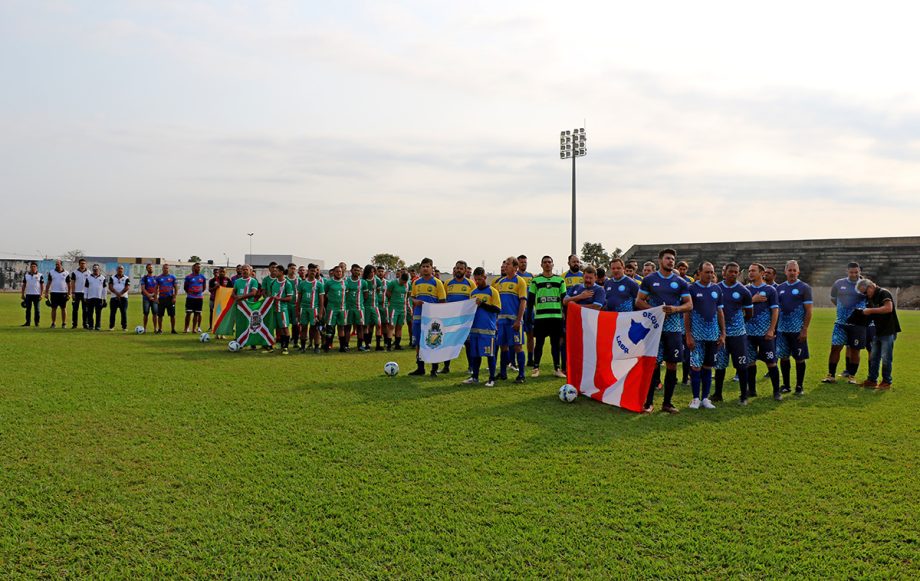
(703, 354)
(760, 348)
(850, 335)
(736, 349)
(671, 347)
(481, 345)
(506, 336)
(788, 345)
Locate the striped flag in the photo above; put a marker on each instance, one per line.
(223, 311)
(445, 327)
(611, 356)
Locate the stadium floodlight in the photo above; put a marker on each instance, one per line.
(573, 144)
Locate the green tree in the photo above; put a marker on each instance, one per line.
(593, 253)
(417, 266)
(194, 258)
(390, 261)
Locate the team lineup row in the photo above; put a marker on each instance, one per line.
(705, 328)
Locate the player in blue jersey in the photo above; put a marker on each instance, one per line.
(166, 298)
(795, 309)
(194, 285)
(665, 287)
(425, 289)
(847, 300)
(513, 290)
(485, 324)
(149, 293)
(769, 276)
(632, 270)
(620, 289)
(459, 288)
(761, 328)
(528, 314)
(738, 308)
(705, 333)
(588, 294)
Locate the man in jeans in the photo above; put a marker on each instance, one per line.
(881, 309)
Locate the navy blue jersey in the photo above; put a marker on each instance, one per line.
(792, 300)
(759, 322)
(848, 299)
(621, 294)
(704, 318)
(598, 299)
(666, 290)
(736, 299)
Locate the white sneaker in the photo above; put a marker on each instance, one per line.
(695, 404)
(535, 372)
(490, 384)
(708, 404)
(559, 373)
(469, 381)
(513, 367)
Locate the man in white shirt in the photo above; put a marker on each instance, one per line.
(77, 286)
(32, 283)
(119, 286)
(57, 291)
(95, 297)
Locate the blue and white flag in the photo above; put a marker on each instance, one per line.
(445, 327)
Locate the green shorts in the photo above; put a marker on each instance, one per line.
(397, 317)
(292, 313)
(308, 317)
(384, 316)
(335, 317)
(371, 316)
(282, 318)
(354, 316)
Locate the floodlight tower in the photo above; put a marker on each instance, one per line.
(573, 144)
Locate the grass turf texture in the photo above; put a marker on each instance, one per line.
(125, 455)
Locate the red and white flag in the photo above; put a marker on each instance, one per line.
(611, 356)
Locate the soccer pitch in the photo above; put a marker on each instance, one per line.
(125, 455)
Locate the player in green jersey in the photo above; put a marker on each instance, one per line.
(310, 291)
(398, 301)
(268, 278)
(281, 291)
(335, 308)
(244, 288)
(293, 315)
(380, 332)
(354, 306)
(545, 296)
(369, 306)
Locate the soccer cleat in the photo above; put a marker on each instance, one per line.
(852, 380)
(469, 381)
(778, 396)
(785, 389)
(316, 350)
(752, 393)
(742, 402)
(269, 350)
(26, 325)
(695, 404)
(284, 351)
(870, 384)
(490, 383)
(513, 367)
(648, 409)
(434, 373)
(716, 397)
(173, 332)
(445, 370)
(799, 391)
(503, 377)
(52, 325)
(829, 378)
(670, 409)
(884, 385)
(845, 373)
(535, 372)
(518, 379)
(558, 373)
(708, 404)
(398, 348)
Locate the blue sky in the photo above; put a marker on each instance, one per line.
(338, 130)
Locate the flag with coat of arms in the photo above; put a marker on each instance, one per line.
(258, 322)
(445, 328)
(611, 356)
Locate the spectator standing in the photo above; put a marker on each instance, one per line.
(882, 310)
(77, 286)
(95, 297)
(31, 293)
(119, 285)
(57, 291)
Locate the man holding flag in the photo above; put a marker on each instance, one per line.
(481, 342)
(425, 289)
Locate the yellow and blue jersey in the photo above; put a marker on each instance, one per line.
(513, 290)
(573, 278)
(485, 320)
(427, 290)
(459, 290)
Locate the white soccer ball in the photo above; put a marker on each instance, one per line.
(568, 393)
(391, 368)
(204, 338)
(140, 330)
(233, 346)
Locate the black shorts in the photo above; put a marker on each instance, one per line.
(58, 299)
(166, 306)
(193, 305)
(737, 347)
(672, 347)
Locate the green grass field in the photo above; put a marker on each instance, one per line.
(125, 455)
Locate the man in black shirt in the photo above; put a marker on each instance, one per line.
(880, 307)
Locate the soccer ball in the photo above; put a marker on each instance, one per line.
(568, 393)
(233, 346)
(391, 368)
(204, 338)
(140, 330)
